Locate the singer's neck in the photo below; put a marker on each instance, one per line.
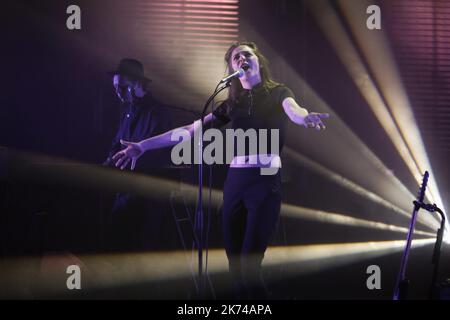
(249, 82)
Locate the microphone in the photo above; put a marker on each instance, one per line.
(238, 73)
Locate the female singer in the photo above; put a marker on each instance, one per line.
(251, 200)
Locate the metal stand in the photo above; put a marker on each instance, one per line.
(437, 245)
(184, 218)
(401, 285)
(199, 212)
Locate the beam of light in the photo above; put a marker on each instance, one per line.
(293, 211)
(379, 57)
(177, 30)
(351, 158)
(359, 190)
(46, 276)
(307, 259)
(335, 33)
(192, 81)
(63, 172)
(157, 188)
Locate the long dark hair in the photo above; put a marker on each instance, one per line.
(266, 79)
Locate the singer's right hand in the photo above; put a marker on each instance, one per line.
(131, 153)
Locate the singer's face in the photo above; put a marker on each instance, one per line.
(244, 55)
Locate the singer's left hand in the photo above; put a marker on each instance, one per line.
(314, 120)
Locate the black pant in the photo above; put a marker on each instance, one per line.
(250, 212)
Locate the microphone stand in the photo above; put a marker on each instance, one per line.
(199, 213)
(401, 285)
(437, 245)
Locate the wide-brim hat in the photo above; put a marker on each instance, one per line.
(132, 68)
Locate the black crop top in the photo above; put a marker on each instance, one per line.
(258, 108)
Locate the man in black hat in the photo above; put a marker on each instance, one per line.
(136, 222)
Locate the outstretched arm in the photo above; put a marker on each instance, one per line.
(301, 116)
(134, 150)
